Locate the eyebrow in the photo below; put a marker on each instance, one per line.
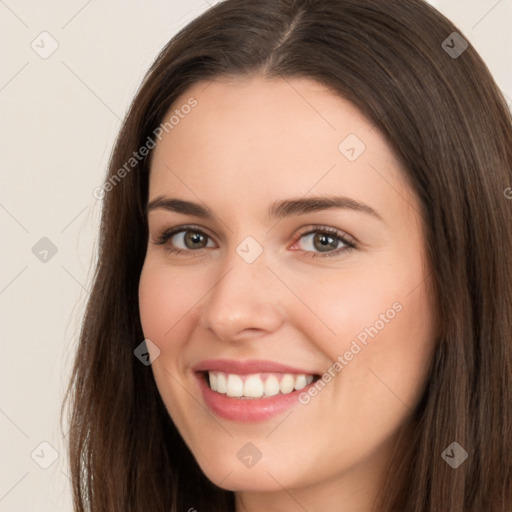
(278, 210)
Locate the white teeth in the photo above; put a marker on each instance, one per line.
(235, 386)
(222, 385)
(287, 383)
(271, 385)
(300, 382)
(257, 385)
(253, 387)
(213, 381)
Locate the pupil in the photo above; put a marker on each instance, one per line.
(194, 238)
(326, 242)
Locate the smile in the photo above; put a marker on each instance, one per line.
(257, 385)
(250, 391)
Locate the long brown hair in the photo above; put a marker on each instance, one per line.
(449, 124)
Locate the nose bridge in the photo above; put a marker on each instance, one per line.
(243, 298)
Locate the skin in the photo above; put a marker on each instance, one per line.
(248, 143)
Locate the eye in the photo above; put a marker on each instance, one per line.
(319, 242)
(325, 241)
(184, 239)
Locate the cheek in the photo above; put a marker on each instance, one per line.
(342, 306)
(379, 325)
(383, 343)
(165, 300)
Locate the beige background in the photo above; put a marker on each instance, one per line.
(59, 116)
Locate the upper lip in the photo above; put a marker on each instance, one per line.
(247, 367)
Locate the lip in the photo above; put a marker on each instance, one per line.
(247, 367)
(251, 409)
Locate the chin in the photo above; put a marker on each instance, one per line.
(236, 477)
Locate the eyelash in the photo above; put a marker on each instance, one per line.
(349, 244)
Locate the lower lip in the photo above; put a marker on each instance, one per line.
(247, 409)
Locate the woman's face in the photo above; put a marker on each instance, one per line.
(301, 256)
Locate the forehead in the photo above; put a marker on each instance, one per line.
(248, 139)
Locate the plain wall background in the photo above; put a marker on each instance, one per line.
(59, 117)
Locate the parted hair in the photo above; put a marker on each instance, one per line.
(449, 124)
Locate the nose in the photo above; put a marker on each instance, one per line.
(244, 302)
